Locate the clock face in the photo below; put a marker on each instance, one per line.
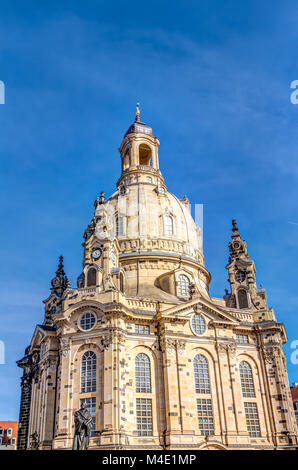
(96, 253)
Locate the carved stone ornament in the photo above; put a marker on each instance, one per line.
(180, 345)
(232, 348)
(169, 345)
(107, 340)
(64, 346)
(120, 337)
(223, 348)
(26, 382)
(271, 353)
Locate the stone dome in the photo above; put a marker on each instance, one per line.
(159, 245)
(146, 218)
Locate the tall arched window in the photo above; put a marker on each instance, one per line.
(88, 372)
(143, 374)
(121, 279)
(126, 160)
(183, 285)
(91, 277)
(201, 372)
(168, 225)
(119, 225)
(242, 298)
(246, 378)
(145, 155)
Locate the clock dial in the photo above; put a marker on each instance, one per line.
(96, 253)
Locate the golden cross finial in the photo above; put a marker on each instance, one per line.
(137, 112)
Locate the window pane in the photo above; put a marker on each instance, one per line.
(88, 372)
(87, 321)
(198, 323)
(91, 407)
(142, 329)
(119, 226)
(143, 374)
(201, 372)
(205, 416)
(183, 285)
(144, 417)
(246, 378)
(242, 339)
(168, 225)
(252, 419)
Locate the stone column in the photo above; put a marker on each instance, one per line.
(185, 398)
(172, 396)
(236, 391)
(26, 385)
(227, 394)
(109, 376)
(64, 432)
(282, 407)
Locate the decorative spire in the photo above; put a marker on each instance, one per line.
(237, 246)
(138, 118)
(60, 282)
(60, 270)
(235, 233)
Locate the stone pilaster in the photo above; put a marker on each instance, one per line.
(24, 416)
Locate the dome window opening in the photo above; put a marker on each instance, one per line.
(168, 225)
(242, 298)
(145, 155)
(126, 161)
(183, 286)
(91, 277)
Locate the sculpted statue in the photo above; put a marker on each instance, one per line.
(83, 426)
(34, 441)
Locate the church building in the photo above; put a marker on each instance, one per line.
(159, 363)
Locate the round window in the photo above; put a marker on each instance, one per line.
(198, 323)
(87, 321)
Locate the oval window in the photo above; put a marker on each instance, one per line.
(198, 323)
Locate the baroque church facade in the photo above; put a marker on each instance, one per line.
(159, 363)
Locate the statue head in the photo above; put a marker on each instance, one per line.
(83, 406)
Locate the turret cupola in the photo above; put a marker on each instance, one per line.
(139, 155)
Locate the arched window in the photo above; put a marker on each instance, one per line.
(143, 374)
(201, 372)
(183, 285)
(88, 372)
(121, 283)
(126, 160)
(91, 277)
(145, 155)
(246, 378)
(242, 298)
(119, 225)
(168, 225)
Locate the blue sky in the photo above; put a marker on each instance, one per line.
(213, 79)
